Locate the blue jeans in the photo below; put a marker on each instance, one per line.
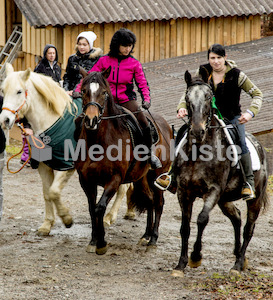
(241, 133)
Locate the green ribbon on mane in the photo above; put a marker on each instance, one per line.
(213, 105)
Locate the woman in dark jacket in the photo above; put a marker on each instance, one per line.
(49, 63)
(85, 57)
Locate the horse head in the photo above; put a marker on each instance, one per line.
(15, 96)
(95, 93)
(198, 99)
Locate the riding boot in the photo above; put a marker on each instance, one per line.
(248, 190)
(167, 181)
(147, 139)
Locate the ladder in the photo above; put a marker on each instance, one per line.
(9, 51)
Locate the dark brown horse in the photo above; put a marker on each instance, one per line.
(215, 180)
(111, 160)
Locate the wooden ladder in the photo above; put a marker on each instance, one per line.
(9, 51)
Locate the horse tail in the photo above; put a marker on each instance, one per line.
(142, 197)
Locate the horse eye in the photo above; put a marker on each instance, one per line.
(19, 92)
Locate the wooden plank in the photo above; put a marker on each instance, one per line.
(74, 33)
(162, 29)
(152, 41)
(43, 40)
(147, 41)
(28, 40)
(167, 28)
(142, 41)
(173, 45)
(157, 40)
(8, 18)
(97, 29)
(198, 34)
(67, 44)
(2, 23)
(211, 36)
(227, 31)
(179, 37)
(38, 41)
(53, 36)
(256, 29)
(32, 62)
(240, 30)
(192, 35)
(47, 35)
(247, 29)
(59, 45)
(187, 36)
(108, 33)
(24, 36)
(204, 35)
(219, 31)
(234, 30)
(32, 40)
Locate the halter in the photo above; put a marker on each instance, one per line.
(16, 112)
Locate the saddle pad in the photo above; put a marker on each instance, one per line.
(61, 130)
(256, 164)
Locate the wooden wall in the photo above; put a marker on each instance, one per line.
(155, 39)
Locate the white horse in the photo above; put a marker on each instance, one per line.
(43, 102)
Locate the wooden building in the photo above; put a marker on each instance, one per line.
(176, 29)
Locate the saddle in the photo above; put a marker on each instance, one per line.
(135, 129)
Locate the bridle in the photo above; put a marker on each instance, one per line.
(16, 111)
(98, 106)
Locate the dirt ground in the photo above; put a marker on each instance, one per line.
(58, 267)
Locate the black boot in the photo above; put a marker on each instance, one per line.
(147, 140)
(248, 190)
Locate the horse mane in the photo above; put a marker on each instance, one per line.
(51, 92)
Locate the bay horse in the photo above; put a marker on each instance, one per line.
(215, 180)
(103, 127)
(42, 102)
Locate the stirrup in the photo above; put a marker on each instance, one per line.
(248, 192)
(159, 181)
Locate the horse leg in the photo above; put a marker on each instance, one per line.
(234, 214)
(111, 217)
(47, 177)
(130, 213)
(252, 215)
(60, 180)
(158, 209)
(108, 193)
(202, 221)
(91, 193)
(186, 207)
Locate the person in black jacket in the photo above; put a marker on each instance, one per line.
(86, 56)
(49, 63)
(2, 159)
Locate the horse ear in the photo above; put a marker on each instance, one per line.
(204, 74)
(107, 72)
(83, 72)
(9, 69)
(26, 74)
(188, 78)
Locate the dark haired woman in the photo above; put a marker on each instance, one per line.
(227, 81)
(124, 70)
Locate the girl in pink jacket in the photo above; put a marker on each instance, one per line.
(126, 69)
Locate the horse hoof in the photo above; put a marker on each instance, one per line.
(194, 264)
(106, 224)
(177, 273)
(234, 273)
(130, 216)
(151, 248)
(43, 232)
(101, 251)
(143, 242)
(91, 248)
(68, 221)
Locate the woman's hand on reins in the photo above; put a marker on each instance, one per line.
(245, 117)
(182, 113)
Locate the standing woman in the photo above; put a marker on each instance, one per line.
(49, 63)
(86, 56)
(2, 160)
(227, 81)
(124, 70)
